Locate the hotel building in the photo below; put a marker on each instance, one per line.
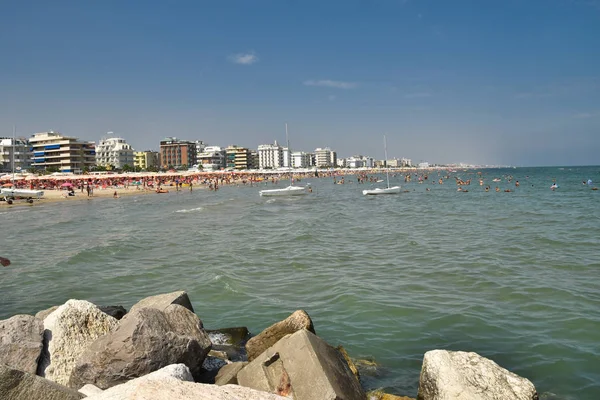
(146, 159)
(15, 150)
(177, 153)
(270, 156)
(114, 152)
(66, 154)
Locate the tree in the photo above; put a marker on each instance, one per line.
(127, 168)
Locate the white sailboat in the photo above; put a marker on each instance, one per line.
(290, 190)
(9, 194)
(388, 189)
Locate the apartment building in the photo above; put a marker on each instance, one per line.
(64, 153)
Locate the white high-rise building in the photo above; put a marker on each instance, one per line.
(270, 156)
(114, 151)
(212, 158)
(14, 153)
(325, 158)
(300, 159)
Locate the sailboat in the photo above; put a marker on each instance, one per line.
(388, 189)
(290, 190)
(9, 194)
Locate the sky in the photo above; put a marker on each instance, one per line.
(507, 82)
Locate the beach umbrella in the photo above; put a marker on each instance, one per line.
(67, 184)
(7, 185)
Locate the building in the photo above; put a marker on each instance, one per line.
(200, 145)
(114, 152)
(301, 159)
(177, 153)
(212, 158)
(325, 158)
(270, 156)
(53, 151)
(238, 158)
(145, 160)
(14, 154)
(406, 162)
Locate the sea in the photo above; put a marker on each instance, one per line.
(513, 276)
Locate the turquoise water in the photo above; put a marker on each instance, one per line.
(512, 276)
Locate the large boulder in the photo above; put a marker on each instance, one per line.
(41, 315)
(21, 339)
(161, 389)
(461, 375)
(299, 320)
(227, 375)
(69, 330)
(304, 367)
(146, 340)
(162, 301)
(19, 385)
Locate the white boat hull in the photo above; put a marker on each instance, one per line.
(390, 190)
(21, 193)
(288, 191)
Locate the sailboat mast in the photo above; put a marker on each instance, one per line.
(14, 152)
(387, 171)
(287, 141)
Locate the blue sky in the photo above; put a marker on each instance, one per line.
(482, 81)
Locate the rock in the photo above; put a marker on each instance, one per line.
(146, 340)
(173, 382)
(229, 336)
(117, 312)
(303, 366)
(351, 364)
(228, 374)
(69, 330)
(41, 315)
(21, 339)
(150, 389)
(90, 390)
(468, 376)
(299, 320)
(162, 301)
(380, 395)
(19, 385)
(230, 341)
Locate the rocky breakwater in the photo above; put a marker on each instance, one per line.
(160, 350)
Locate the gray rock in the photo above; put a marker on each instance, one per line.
(170, 388)
(69, 330)
(41, 315)
(162, 301)
(299, 320)
(304, 367)
(146, 340)
(89, 390)
(19, 385)
(21, 339)
(227, 375)
(117, 312)
(447, 375)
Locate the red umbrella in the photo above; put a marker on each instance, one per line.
(7, 185)
(66, 184)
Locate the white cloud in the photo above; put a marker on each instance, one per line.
(244, 58)
(331, 84)
(417, 95)
(585, 115)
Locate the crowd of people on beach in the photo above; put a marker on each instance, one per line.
(162, 183)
